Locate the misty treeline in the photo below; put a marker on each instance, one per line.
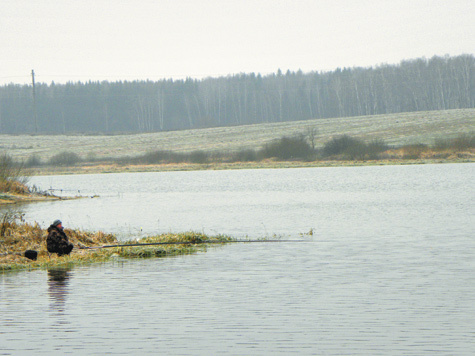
(422, 84)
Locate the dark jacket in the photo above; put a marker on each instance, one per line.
(58, 242)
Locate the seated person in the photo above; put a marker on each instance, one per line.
(57, 241)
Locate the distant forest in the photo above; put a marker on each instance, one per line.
(437, 83)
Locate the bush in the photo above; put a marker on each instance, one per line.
(465, 141)
(8, 168)
(461, 142)
(33, 161)
(355, 152)
(64, 159)
(342, 144)
(12, 177)
(245, 156)
(162, 156)
(156, 157)
(288, 148)
(198, 157)
(352, 148)
(375, 148)
(413, 151)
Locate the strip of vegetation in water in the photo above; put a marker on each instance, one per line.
(17, 238)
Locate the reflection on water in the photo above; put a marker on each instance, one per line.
(58, 280)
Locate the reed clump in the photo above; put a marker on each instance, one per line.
(12, 177)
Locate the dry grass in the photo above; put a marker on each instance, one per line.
(19, 237)
(16, 238)
(13, 186)
(423, 153)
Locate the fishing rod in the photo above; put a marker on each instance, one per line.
(183, 243)
(32, 254)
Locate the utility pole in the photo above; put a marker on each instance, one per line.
(34, 100)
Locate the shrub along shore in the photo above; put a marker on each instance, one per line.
(17, 238)
(286, 152)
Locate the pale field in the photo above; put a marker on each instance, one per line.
(394, 129)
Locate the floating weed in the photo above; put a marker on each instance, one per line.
(308, 234)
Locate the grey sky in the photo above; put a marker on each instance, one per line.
(84, 40)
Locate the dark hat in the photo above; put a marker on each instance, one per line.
(57, 222)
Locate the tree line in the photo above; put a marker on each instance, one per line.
(438, 83)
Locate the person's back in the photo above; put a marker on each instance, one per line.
(57, 241)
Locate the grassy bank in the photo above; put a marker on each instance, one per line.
(16, 238)
(112, 167)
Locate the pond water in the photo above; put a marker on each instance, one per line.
(388, 268)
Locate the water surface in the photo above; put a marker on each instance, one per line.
(388, 270)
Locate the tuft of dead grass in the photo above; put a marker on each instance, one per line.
(13, 186)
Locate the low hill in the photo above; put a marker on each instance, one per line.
(395, 129)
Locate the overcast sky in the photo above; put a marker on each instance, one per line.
(81, 40)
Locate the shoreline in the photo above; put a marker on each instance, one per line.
(108, 167)
(12, 198)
